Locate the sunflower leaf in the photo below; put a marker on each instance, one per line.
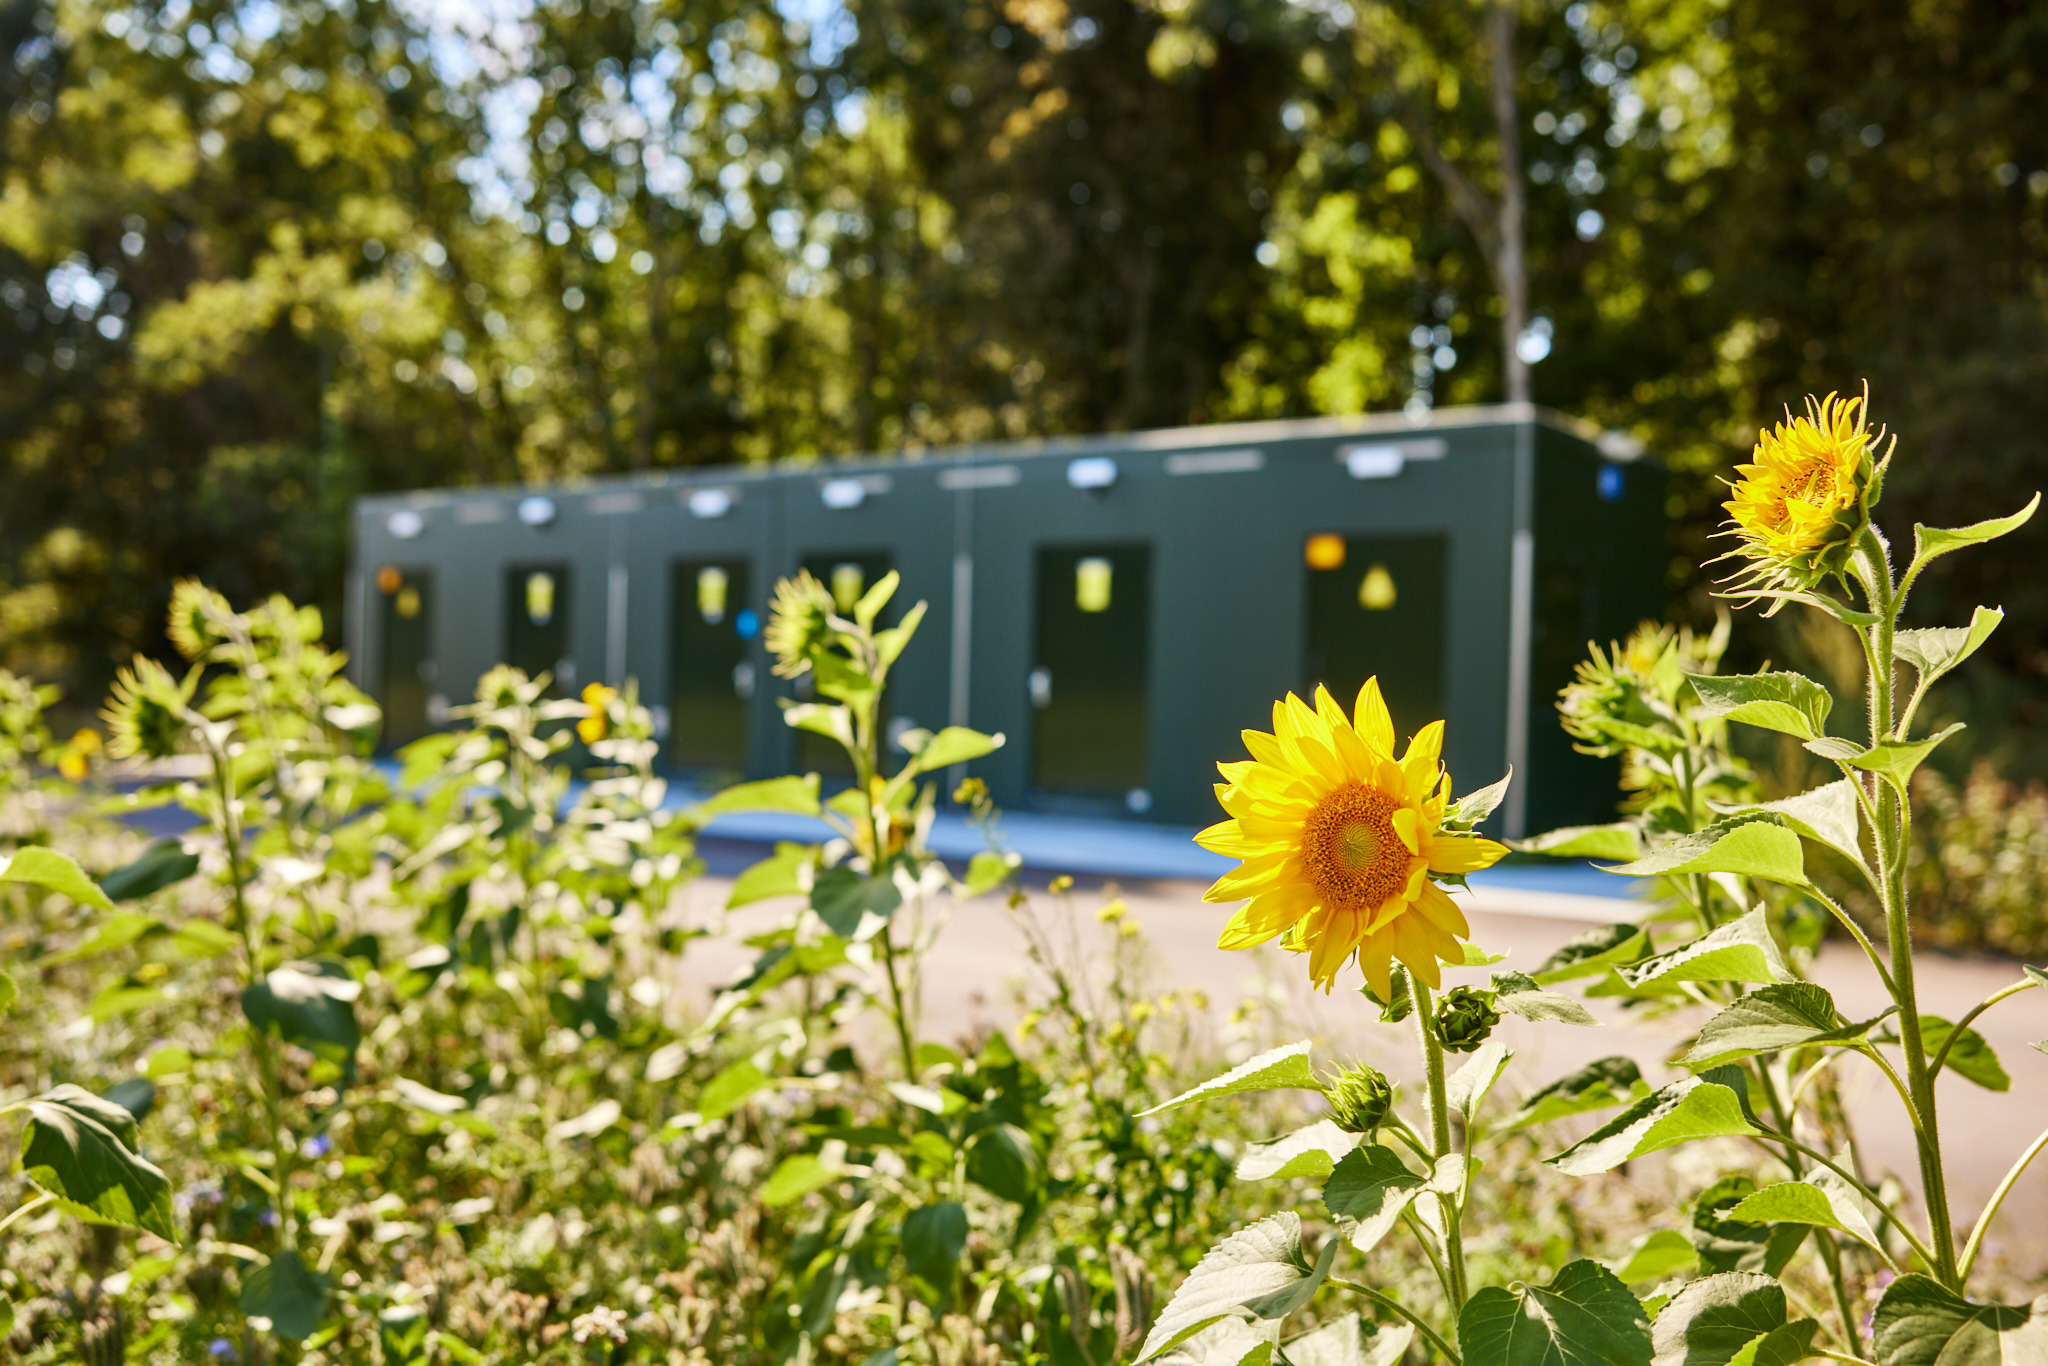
(1468, 811)
(1370, 1187)
(1715, 1320)
(1519, 994)
(1969, 1057)
(1658, 1256)
(1705, 1106)
(1740, 951)
(1789, 703)
(1823, 1200)
(81, 1149)
(1312, 1151)
(1584, 1317)
(1594, 952)
(1827, 814)
(1617, 841)
(1895, 760)
(1930, 543)
(1256, 1266)
(1772, 1018)
(1467, 1086)
(1752, 846)
(55, 872)
(1934, 651)
(1596, 1086)
(1281, 1069)
(1350, 1341)
(1920, 1320)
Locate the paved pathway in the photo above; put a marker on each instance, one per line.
(979, 963)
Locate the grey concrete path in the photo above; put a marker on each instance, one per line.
(979, 965)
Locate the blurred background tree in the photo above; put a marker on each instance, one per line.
(261, 258)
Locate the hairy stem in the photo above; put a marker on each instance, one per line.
(1440, 1138)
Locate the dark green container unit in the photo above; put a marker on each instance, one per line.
(1119, 607)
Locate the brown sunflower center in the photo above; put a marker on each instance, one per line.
(1354, 857)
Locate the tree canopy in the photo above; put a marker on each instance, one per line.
(261, 258)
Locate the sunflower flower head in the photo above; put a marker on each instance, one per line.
(199, 620)
(147, 716)
(596, 723)
(1341, 842)
(1806, 495)
(799, 623)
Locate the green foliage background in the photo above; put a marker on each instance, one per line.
(259, 259)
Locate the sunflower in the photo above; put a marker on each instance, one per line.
(1805, 495)
(799, 623)
(148, 715)
(1339, 843)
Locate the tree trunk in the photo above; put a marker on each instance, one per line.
(1510, 268)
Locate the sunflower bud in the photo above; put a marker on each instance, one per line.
(1464, 1018)
(147, 715)
(1360, 1099)
(799, 625)
(1399, 1004)
(1805, 497)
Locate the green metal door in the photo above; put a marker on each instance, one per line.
(537, 623)
(848, 575)
(711, 678)
(1376, 608)
(1088, 683)
(406, 632)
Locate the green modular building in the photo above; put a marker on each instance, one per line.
(1119, 607)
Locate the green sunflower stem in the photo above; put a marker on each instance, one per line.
(1890, 835)
(1440, 1139)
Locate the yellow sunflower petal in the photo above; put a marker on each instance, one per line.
(1376, 958)
(1263, 917)
(1373, 720)
(1463, 853)
(1419, 763)
(1443, 912)
(1409, 827)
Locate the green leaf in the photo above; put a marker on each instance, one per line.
(889, 644)
(1350, 1341)
(137, 1096)
(953, 745)
(1254, 1266)
(81, 1149)
(875, 599)
(798, 795)
(1704, 1106)
(9, 993)
(1519, 994)
(1773, 1018)
(1969, 1057)
(843, 899)
(1593, 952)
(1739, 951)
(1596, 1086)
(1788, 703)
(1470, 810)
(1659, 1256)
(162, 864)
(1746, 845)
(1895, 760)
(780, 874)
(1313, 1151)
(1278, 1070)
(48, 869)
(1783, 1346)
(197, 939)
(1823, 1200)
(1003, 1161)
(1714, 1318)
(311, 1004)
(933, 1239)
(1827, 814)
(1921, 1323)
(794, 1178)
(1935, 650)
(288, 1293)
(402, 1335)
(116, 931)
(1930, 543)
(1367, 1192)
(1584, 1317)
(988, 870)
(1467, 1086)
(726, 1090)
(1617, 841)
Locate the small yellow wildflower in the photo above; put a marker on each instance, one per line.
(74, 762)
(597, 723)
(1339, 841)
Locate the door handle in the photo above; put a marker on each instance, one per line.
(1040, 683)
